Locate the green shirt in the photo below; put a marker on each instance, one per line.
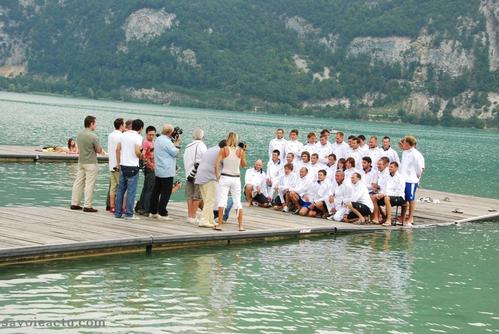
(87, 142)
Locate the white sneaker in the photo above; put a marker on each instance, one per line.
(408, 225)
(154, 216)
(285, 209)
(165, 218)
(134, 217)
(191, 220)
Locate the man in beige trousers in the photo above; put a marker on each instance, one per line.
(205, 178)
(89, 146)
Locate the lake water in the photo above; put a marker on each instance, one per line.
(438, 280)
(442, 280)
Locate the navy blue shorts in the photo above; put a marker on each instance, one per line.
(304, 204)
(410, 191)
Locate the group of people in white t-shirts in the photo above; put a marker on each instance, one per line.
(350, 181)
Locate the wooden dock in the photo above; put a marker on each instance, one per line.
(15, 153)
(30, 234)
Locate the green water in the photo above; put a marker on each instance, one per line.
(458, 160)
(442, 280)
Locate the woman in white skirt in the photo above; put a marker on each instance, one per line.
(232, 157)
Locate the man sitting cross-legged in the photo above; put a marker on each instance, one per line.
(286, 181)
(300, 196)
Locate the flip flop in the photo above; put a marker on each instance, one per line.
(457, 211)
(216, 228)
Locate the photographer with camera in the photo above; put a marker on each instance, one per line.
(166, 148)
(232, 157)
(193, 154)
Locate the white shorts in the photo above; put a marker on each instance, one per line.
(226, 184)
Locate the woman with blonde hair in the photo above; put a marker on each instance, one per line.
(232, 157)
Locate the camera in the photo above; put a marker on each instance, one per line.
(177, 131)
(192, 175)
(242, 145)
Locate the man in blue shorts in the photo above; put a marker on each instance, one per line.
(411, 168)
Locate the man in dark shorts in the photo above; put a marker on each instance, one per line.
(255, 186)
(360, 203)
(394, 192)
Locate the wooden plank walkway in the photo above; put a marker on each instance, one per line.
(36, 233)
(15, 153)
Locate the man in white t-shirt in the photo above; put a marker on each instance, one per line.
(293, 145)
(411, 169)
(324, 149)
(193, 154)
(278, 143)
(388, 151)
(374, 152)
(274, 170)
(362, 145)
(356, 153)
(255, 187)
(311, 145)
(128, 154)
(112, 142)
(339, 147)
(359, 202)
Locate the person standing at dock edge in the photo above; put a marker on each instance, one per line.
(165, 157)
(192, 157)
(411, 168)
(89, 146)
(233, 156)
(112, 142)
(128, 154)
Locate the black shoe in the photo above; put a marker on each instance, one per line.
(75, 207)
(89, 210)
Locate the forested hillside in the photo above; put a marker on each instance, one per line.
(423, 61)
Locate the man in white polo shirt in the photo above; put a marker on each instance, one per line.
(255, 187)
(339, 147)
(388, 151)
(411, 168)
(112, 142)
(293, 145)
(278, 143)
(374, 152)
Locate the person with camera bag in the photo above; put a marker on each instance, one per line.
(166, 148)
(193, 154)
(232, 157)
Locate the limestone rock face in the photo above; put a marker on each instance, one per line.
(490, 10)
(146, 24)
(12, 50)
(389, 50)
(448, 57)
